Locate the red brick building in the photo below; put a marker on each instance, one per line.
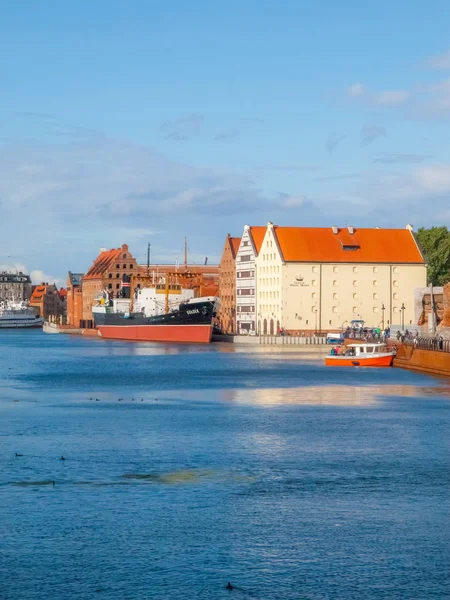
(106, 273)
(227, 285)
(47, 301)
(74, 299)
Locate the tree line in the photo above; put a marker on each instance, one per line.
(435, 245)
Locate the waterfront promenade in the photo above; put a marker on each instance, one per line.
(191, 466)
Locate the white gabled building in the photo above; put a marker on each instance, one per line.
(246, 306)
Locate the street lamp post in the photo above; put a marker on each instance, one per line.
(383, 308)
(403, 308)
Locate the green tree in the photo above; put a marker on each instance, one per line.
(435, 246)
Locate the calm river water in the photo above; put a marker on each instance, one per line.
(260, 467)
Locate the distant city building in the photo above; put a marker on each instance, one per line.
(47, 301)
(320, 279)
(109, 271)
(74, 299)
(249, 248)
(208, 276)
(15, 286)
(227, 285)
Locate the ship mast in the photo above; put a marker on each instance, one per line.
(185, 253)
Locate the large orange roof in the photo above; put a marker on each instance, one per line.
(310, 244)
(102, 263)
(258, 234)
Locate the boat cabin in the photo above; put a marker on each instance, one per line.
(358, 349)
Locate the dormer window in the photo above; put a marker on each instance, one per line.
(124, 256)
(350, 247)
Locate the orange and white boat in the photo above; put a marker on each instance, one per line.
(361, 355)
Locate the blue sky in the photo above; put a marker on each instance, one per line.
(147, 121)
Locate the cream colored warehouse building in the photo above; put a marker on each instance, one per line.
(320, 279)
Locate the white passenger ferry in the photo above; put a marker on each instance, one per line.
(18, 315)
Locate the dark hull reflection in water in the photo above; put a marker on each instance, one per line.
(218, 464)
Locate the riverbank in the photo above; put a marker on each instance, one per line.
(270, 340)
(433, 362)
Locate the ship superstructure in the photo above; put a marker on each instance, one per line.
(18, 315)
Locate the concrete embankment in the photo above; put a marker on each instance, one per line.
(270, 340)
(434, 362)
(54, 328)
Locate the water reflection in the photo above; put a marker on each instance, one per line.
(334, 395)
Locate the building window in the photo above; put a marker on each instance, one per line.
(117, 266)
(355, 296)
(124, 266)
(330, 321)
(396, 296)
(395, 309)
(131, 266)
(313, 309)
(335, 296)
(314, 269)
(375, 296)
(314, 295)
(395, 269)
(110, 275)
(355, 283)
(335, 283)
(117, 286)
(307, 321)
(110, 286)
(245, 258)
(335, 270)
(355, 269)
(355, 310)
(314, 282)
(375, 269)
(375, 283)
(335, 309)
(246, 243)
(395, 283)
(375, 309)
(117, 275)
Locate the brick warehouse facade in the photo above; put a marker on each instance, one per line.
(227, 285)
(106, 273)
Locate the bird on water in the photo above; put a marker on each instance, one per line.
(229, 586)
(19, 454)
(62, 458)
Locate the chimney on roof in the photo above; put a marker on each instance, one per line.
(102, 250)
(351, 229)
(410, 227)
(335, 229)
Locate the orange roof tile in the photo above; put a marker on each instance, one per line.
(101, 264)
(235, 242)
(310, 244)
(258, 234)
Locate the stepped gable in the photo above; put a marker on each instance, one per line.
(348, 245)
(102, 263)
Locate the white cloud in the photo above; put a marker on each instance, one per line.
(293, 201)
(356, 90)
(439, 61)
(392, 97)
(38, 276)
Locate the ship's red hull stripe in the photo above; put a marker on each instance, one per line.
(200, 334)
